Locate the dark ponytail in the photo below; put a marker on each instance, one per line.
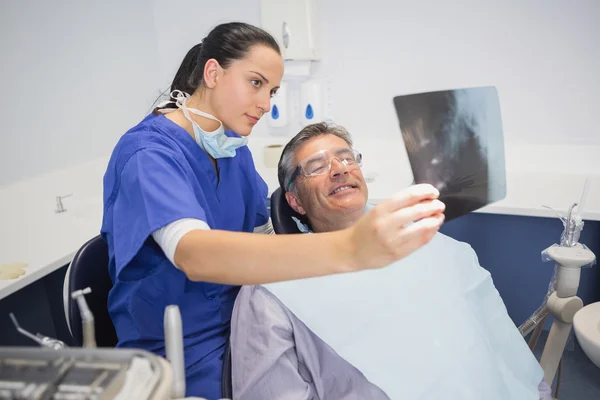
(225, 43)
(189, 74)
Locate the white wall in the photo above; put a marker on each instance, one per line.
(76, 75)
(181, 25)
(544, 57)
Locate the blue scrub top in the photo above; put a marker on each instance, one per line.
(158, 174)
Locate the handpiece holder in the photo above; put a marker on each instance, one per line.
(44, 341)
(174, 349)
(87, 318)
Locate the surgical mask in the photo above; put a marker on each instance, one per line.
(215, 143)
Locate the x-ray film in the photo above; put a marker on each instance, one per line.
(455, 142)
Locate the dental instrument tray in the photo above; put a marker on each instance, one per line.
(80, 373)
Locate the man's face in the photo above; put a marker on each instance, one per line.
(336, 198)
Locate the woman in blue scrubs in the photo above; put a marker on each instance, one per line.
(182, 198)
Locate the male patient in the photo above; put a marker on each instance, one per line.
(432, 326)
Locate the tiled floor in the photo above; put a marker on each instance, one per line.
(580, 378)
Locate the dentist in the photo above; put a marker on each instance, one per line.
(182, 197)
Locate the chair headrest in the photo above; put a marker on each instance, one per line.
(282, 213)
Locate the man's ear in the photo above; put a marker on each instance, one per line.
(294, 202)
(212, 72)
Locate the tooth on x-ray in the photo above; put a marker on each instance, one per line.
(461, 145)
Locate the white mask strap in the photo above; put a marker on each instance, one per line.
(181, 99)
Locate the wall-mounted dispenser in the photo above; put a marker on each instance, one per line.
(294, 24)
(311, 102)
(279, 116)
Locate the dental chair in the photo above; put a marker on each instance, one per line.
(89, 268)
(282, 213)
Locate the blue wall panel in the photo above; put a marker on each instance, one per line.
(510, 248)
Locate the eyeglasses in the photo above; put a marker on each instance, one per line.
(320, 162)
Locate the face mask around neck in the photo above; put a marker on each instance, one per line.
(215, 143)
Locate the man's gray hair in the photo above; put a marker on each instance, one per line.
(287, 163)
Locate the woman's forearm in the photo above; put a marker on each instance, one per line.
(382, 236)
(244, 258)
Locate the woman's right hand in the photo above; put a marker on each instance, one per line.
(396, 227)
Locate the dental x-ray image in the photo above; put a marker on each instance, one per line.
(455, 142)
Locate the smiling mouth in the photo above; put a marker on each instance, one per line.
(342, 189)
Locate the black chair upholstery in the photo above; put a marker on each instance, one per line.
(282, 213)
(89, 268)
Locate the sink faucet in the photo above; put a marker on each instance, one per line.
(59, 204)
